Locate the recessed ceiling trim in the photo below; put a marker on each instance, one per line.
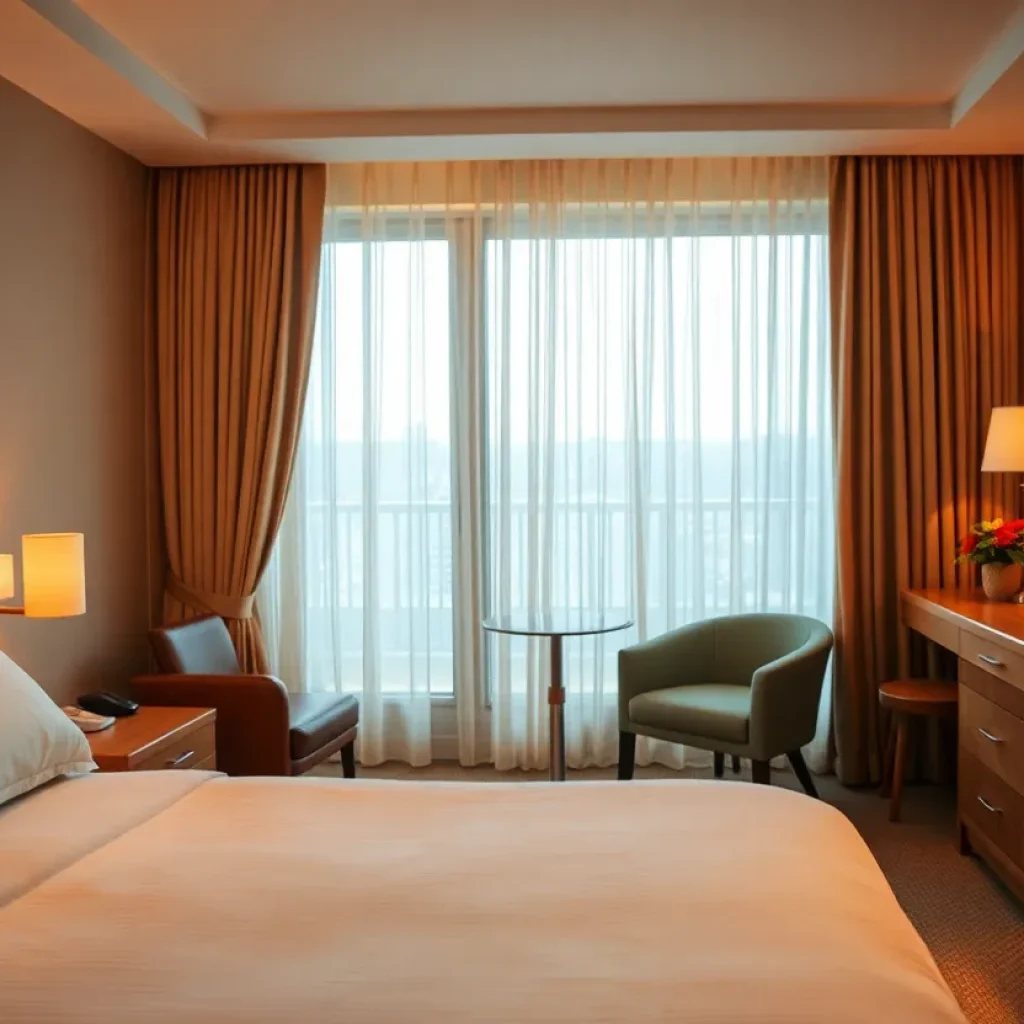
(176, 130)
(68, 18)
(580, 120)
(998, 59)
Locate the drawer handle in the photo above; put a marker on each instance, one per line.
(989, 807)
(989, 736)
(989, 660)
(180, 759)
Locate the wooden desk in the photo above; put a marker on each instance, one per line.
(988, 638)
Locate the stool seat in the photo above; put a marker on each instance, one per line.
(906, 698)
(918, 696)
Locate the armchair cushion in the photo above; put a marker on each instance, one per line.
(317, 719)
(715, 710)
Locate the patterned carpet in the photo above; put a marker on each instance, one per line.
(973, 927)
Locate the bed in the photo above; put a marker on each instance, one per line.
(187, 897)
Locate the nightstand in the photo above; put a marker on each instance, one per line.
(155, 739)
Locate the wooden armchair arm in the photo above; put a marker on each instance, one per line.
(252, 716)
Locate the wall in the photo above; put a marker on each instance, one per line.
(72, 455)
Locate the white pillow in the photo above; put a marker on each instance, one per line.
(38, 741)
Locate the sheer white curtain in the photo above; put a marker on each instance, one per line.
(358, 596)
(658, 433)
(548, 386)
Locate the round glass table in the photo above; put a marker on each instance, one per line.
(556, 627)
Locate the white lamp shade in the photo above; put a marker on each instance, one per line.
(1004, 447)
(6, 577)
(53, 566)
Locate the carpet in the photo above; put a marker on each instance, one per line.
(972, 925)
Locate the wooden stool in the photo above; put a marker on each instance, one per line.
(906, 697)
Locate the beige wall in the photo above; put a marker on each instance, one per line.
(72, 218)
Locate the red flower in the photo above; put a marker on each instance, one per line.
(968, 544)
(1007, 534)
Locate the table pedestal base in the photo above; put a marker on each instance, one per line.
(556, 709)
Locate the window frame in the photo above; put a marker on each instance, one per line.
(468, 263)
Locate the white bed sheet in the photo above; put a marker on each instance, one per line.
(314, 900)
(48, 830)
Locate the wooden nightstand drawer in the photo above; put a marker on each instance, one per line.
(993, 736)
(187, 750)
(157, 739)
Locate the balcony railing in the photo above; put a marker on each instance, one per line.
(751, 554)
(754, 556)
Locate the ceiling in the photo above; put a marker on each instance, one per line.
(212, 81)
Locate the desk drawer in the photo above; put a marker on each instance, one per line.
(993, 736)
(187, 751)
(995, 660)
(992, 807)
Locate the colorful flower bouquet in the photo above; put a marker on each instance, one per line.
(998, 547)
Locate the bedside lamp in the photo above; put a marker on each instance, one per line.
(6, 577)
(53, 572)
(1004, 446)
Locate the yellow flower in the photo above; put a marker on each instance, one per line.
(994, 525)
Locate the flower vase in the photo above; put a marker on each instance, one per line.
(1000, 581)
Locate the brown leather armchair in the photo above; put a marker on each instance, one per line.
(262, 729)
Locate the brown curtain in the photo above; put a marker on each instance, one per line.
(925, 283)
(237, 257)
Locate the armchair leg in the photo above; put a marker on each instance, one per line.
(719, 764)
(627, 754)
(799, 766)
(761, 772)
(348, 760)
(735, 764)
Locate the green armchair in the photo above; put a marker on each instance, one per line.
(745, 685)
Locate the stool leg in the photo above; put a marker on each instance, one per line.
(898, 766)
(735, 764)
(719, 764)
(890, 757)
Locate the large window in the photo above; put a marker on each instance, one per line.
(533, 406)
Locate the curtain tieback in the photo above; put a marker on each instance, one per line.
(224, 605)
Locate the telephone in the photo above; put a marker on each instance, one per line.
(107, 704)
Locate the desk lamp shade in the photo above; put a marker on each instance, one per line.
(6, 577)
(53, 565)
(1004, 447)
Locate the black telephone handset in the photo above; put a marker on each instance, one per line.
(107, 704)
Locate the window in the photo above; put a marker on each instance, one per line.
(531, 404)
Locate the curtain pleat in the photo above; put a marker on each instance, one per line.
(236, 263)
(925, 290)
